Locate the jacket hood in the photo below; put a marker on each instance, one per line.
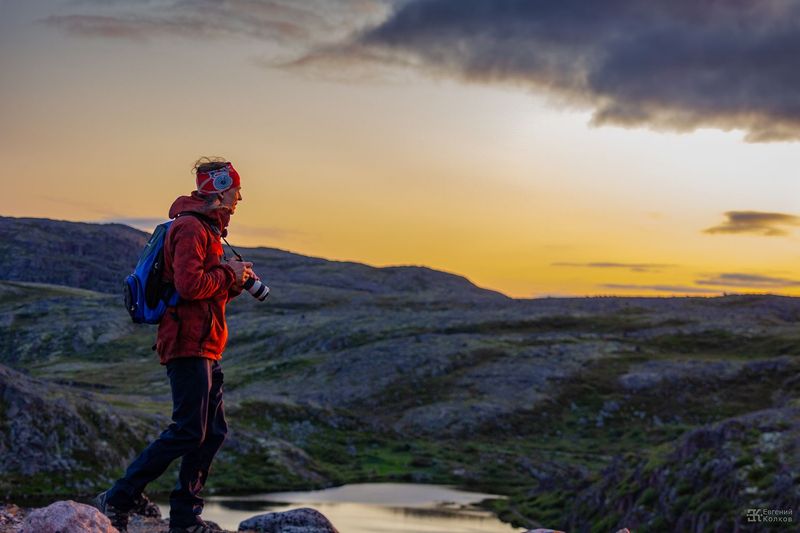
(196, 204)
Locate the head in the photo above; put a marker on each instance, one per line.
(218, 182)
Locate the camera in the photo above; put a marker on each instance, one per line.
(253, 284)
(256, 288)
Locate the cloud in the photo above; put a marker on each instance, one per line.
(680, 289)
(664, 64)
(714, 284)
(633, 267)
(200, 20)
(756, 222)
(286, 22)
(752, 281)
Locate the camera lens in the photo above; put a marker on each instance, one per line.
(258, 290)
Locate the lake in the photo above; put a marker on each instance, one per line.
(369, 508)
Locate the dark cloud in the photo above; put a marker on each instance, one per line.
(679, 289)
(756, 222)
(752, 281)
(664, 64)
(633, 267)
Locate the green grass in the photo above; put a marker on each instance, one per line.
(137, 377)
(618, 323)
(15, 292)
(240, 374)
(139, 345)
(721, 342)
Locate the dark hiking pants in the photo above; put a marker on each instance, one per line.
(196, 433)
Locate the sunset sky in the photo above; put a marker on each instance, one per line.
(538, 148)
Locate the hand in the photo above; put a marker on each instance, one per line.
(241, 269)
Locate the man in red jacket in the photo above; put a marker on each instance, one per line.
(191, 339)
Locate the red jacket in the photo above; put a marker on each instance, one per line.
(192, 261)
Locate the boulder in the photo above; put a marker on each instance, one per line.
(303, 520)
(67, 517)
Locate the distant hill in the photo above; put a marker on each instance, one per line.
(99, 256)
(76, 254)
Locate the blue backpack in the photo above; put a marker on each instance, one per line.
(146, 295)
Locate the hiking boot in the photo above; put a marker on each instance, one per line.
(118, 517)
(201, 526)
(143, 506)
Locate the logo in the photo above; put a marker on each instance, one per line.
(221, 179)
(769, 515)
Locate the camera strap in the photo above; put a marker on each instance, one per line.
(239, 257)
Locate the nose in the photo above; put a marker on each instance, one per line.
(239, 195)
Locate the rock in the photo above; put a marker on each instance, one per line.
(304, 520)
(67, 517)
(660, 372)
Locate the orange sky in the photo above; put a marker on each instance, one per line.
(387, 166)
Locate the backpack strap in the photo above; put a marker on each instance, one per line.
(202, 218)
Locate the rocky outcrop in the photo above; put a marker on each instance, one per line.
(72, 517)
(664, 372)
(41, 322)
(67, 517)
(704, 481)
(303, 520)
(89, 256)
(54, 439)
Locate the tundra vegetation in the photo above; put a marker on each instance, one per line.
(588, 413)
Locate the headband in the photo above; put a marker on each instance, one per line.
(217, 181)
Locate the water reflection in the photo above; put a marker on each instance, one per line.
(247, 505)
(370, 508)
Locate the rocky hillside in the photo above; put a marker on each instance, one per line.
(100, 256)
(89, 256)
(62, 437)
(591, 414)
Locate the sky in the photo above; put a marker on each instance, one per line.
(570, 148)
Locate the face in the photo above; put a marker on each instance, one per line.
(230, 198)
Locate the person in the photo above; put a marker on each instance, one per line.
(191, 338)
